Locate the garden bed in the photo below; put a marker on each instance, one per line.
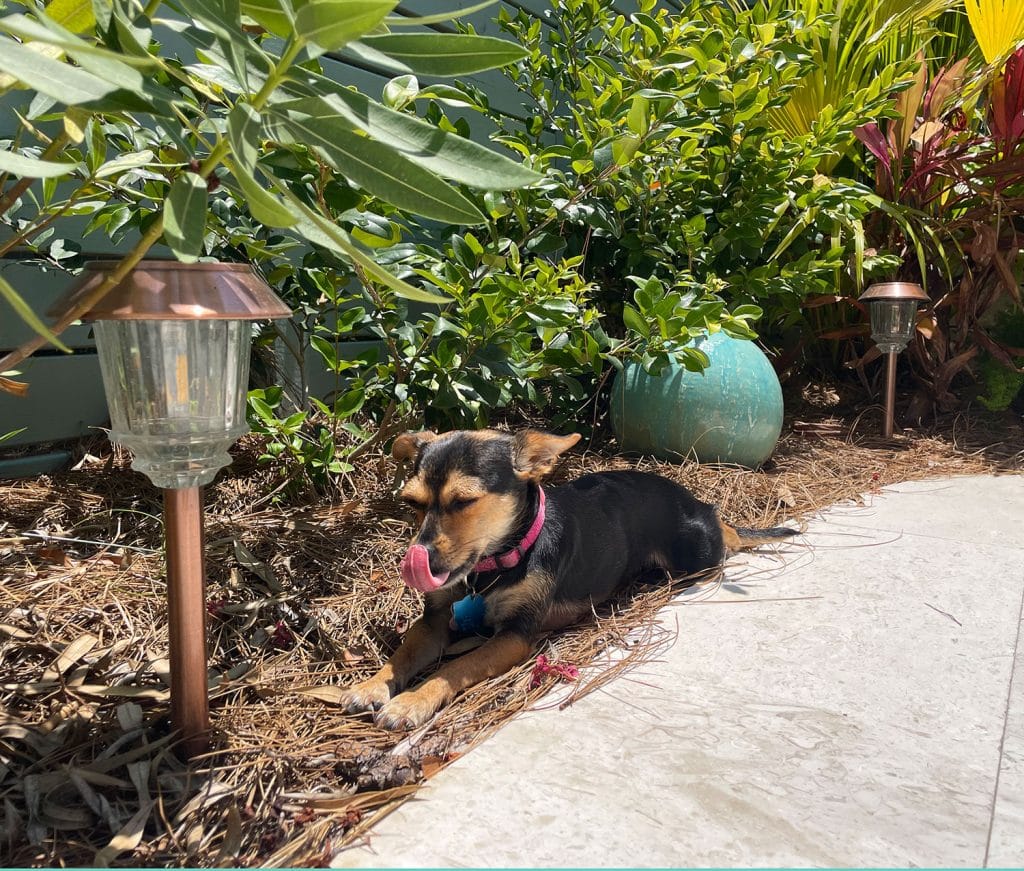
(303, 599)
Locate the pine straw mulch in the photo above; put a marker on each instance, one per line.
(302, 601)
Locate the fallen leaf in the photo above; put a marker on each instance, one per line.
(327, 693)
(65, 818)
(54, 553)
(14, 632)
(128, 692)
(42, 743)
(232, 842)
(257, 566)
(211, 793)
(17, 388)
(72, 653)
(353, 654)
(129, 716)
(33, 688)
(128, 838)
(430, 765)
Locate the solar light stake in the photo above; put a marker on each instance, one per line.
(890, 394)
(173, 342)
(186, 616)
(893, 307)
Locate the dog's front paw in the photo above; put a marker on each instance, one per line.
(407, 710)
(370, 695)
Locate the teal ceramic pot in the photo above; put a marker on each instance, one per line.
(730, 413)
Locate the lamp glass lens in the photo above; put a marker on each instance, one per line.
(176, 391)
(892, 323)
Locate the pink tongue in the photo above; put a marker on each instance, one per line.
(416, 570)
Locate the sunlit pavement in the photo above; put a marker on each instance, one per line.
(853, 698)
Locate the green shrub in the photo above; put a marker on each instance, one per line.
(669, 207)
(163, 143)
(660, 155)
(1001, 379)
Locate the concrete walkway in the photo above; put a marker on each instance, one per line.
(858, 702)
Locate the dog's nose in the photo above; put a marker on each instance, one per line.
(435, 562)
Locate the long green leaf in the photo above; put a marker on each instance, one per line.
(244, 131)
(51, 33)
(275, 17)
(802, 223)
(223, 18)
(265, 207)
(437, 17)
(330, 24)
(76, 15)
(436, 54)
(447, 154)
(67, 84)
(318, 230)
(185, 216)
(244, 126)
(858, 248)
(376, 167)
(29, 167)
(124, 162)
(25, 312)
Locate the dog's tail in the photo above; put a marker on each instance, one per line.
(741, 538)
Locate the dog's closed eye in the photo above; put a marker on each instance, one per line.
(460, 504)
(413, 502)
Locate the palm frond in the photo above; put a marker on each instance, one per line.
(998, 26)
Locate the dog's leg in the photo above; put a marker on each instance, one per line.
(423, 644)
(494, 657)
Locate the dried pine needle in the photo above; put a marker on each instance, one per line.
(302, 597)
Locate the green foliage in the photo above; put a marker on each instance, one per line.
(521, 332)
(525, 332)
(302, 445)
(668, 319)
(670, 207)
(852, 49)
(1002, 381)
(1001, 385)
(661, 159)
(140, 138)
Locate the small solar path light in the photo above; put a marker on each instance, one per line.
(893, 306)
(173, 342)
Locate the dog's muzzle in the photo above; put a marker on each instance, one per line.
(416, 570)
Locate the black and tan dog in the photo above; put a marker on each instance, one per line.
(498, 555)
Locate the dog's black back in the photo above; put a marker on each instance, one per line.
(605, 529)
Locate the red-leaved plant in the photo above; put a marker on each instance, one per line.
(951, 177)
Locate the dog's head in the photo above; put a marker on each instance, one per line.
(469, 491)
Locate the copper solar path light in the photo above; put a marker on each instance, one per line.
(173, 342)
(893, 307)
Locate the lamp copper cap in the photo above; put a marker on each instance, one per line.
(894, 290)
(169, 290)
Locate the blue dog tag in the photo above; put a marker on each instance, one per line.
(468, 614)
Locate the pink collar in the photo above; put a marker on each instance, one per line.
(511, 558)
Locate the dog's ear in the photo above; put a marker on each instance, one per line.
(534, 452)
(409, 444)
